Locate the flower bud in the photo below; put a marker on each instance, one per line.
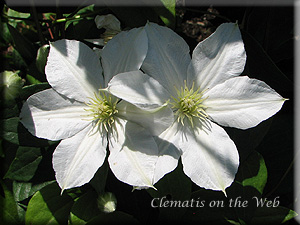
(10, 84)
(107, 202)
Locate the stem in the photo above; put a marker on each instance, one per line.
(76, 17)
(49, 29)
(61, 26)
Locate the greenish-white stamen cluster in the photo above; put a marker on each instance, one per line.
(102, 108)
(189, 104)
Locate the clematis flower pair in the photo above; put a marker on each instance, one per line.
(152, 118)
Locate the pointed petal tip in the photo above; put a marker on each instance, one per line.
(223, 190)
(62, 190)
(154, 188)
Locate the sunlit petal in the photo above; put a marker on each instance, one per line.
(125, 52)
(76, 159)
(242, 102)
(133, 154)
(210, 157)
(50, 115)
(73, 69)
(218, 58)
(139, 89)
(167, 58)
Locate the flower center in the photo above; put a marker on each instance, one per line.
(189, 104)
(102, 108)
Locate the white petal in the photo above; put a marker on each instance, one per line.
(76, 159)
(133, 154)
(155, 121)
(125, 52)
(217, 58)
(167, 58)
(50, 115)
(108, 21)
(169, 151)
(138, 88)
(242, 102)
(73, 69)
(210, 158)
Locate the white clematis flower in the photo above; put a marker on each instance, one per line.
(202, 92)
(87, 120)
(111, 25)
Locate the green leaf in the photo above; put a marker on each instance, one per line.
(23, 45)
(85, 208)
(25, 164)
(253, 172)
(5, 34)
(48, 206)
(167, 12)
(32, 89)
(10, 130)
(14, 132)
(23, 190)
(32, 80)
(249, 183)
(272, 215)
(9, 110)
(116, 217)
(8, 207)
(13, 13)
(176, 186)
